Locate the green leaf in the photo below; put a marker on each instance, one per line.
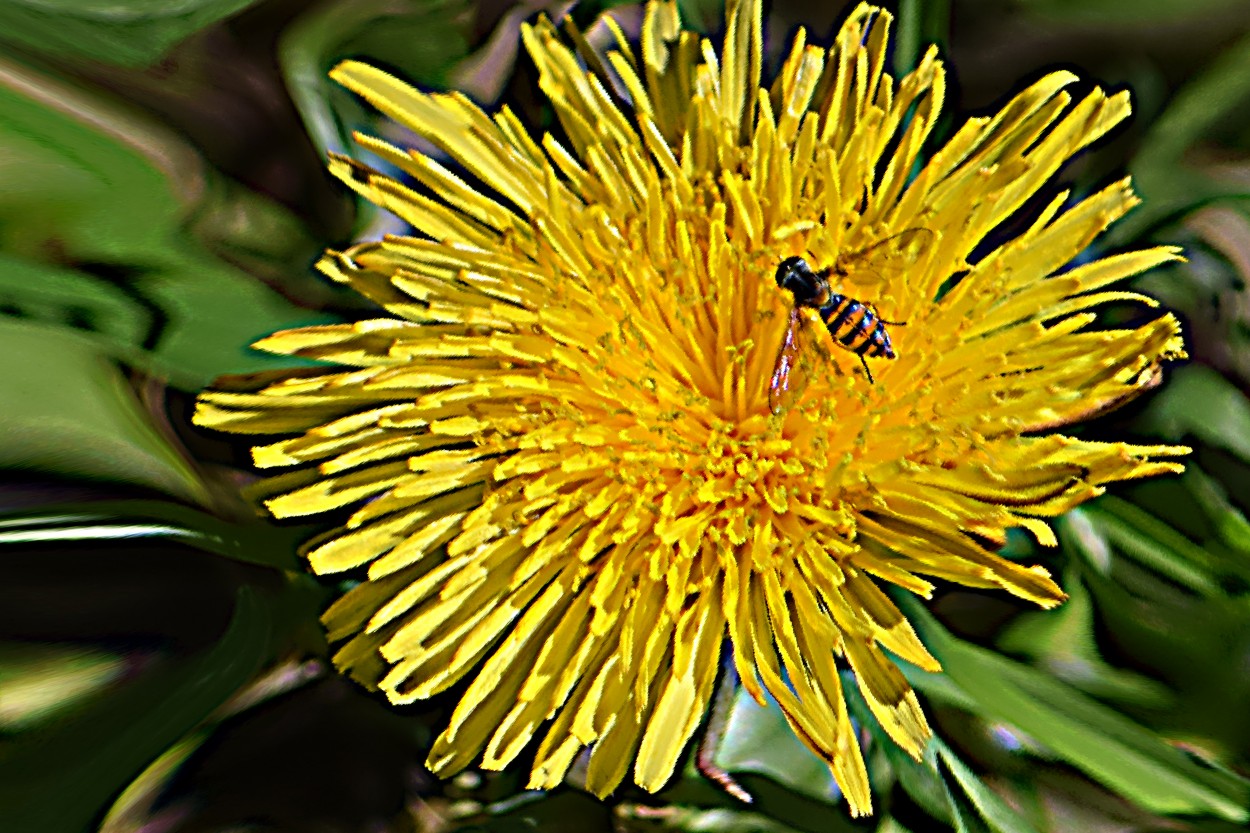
(1098, 740)
(963, 813)
(65, 297)
(132, 33)
(704, 16)
(42, 681)
(1205, 100)
(919, 779)
(1223, 421)
(758, 740)
(1168, 186)
(94, 218)
(937, 687)
(1156, 545)
(983, 806)
(1062, 641)
(1230, 523)
(967, 803)
(134, 807)
(919, 24)
(259, 543)
(60, 780)
(69, 411)
(422, 41)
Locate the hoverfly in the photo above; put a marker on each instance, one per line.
(854, 325)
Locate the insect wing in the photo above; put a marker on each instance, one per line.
(780, 389)
(891, 255)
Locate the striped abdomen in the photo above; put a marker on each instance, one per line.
(855, 326)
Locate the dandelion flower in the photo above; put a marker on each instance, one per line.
(568, 484)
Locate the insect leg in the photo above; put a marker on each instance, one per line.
(864, 362)
(780, 388)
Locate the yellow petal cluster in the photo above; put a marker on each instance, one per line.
(567, 485)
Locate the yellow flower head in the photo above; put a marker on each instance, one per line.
(566, 471)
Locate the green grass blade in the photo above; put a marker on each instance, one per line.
(1098, 740)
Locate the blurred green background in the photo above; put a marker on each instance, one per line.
(162, 196)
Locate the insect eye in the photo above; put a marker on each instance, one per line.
(789, 266)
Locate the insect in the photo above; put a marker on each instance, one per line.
(854, 325)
